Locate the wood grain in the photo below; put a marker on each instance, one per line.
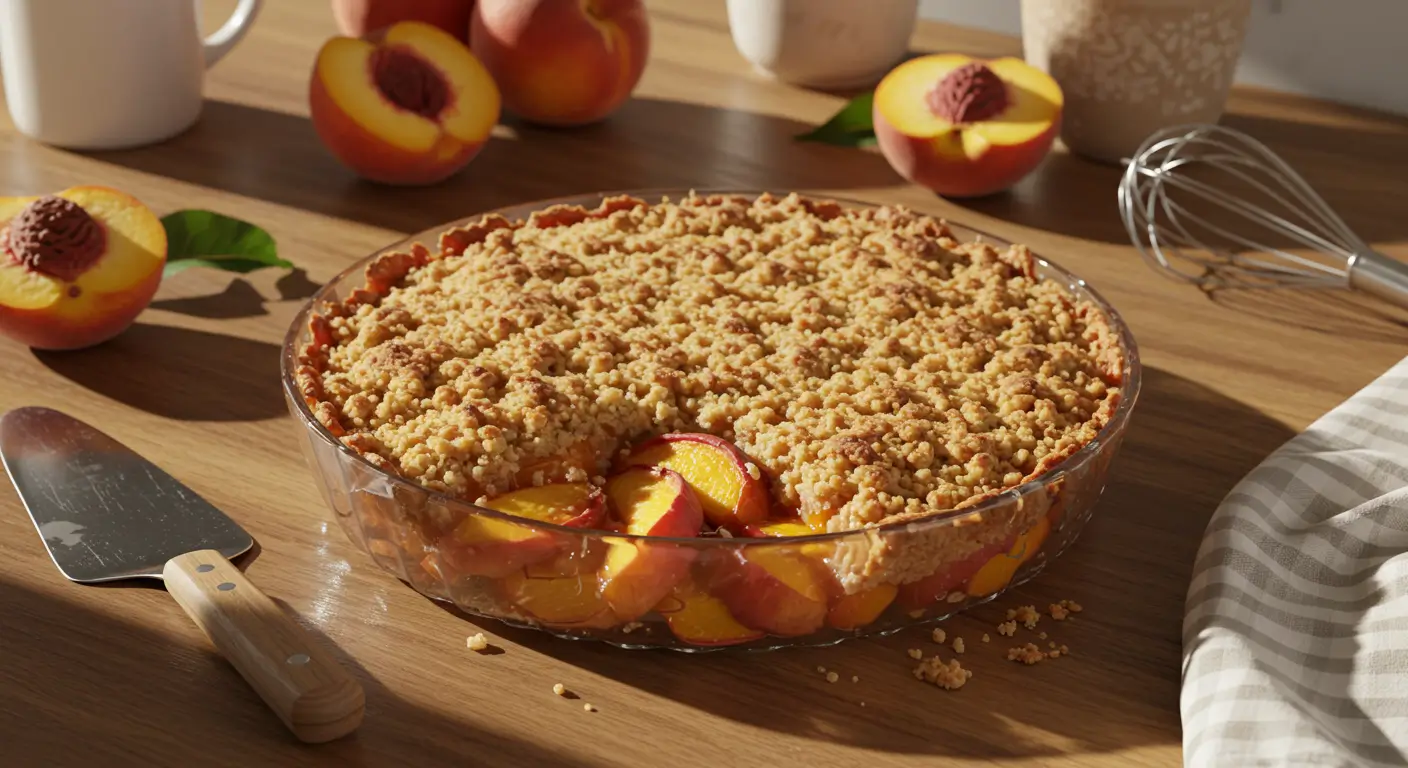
(118, 676)
(306, 687)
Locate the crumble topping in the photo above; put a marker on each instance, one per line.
(873, 368)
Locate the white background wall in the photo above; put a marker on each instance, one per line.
(1352, 51)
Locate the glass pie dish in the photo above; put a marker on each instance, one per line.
(778, 586)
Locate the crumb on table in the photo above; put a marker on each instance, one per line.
(1007, 628)
(939, 635)
(1027, 654)
(559, 689)
(832, 677)
(950, 676)
(1058, 612)
(1027, 615)
(477, 641)
(958, 645)
(916, 654)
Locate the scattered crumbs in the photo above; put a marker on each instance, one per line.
(1051, 644)
(1064, 650)
(1053, 654)
(958, 645)
(1027, 615)
(916, 654)
(1007, 628)
(1011, 614)
(589, 707)
(1058, 612)
(630, 627)
(754, 472)
(939, 635)
(477, 641)
(821, 670)
(985, 637)
(855, 678)
(832, 677)
(916, 613)
(950, 676)
(1041, 635)
(1027, 654)
(957, 597)
(559, 689)
(1072, 606)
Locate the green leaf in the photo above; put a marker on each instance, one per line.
(850, 127)
(198, 238)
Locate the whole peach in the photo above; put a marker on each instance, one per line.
(562, 62)
(357, 18)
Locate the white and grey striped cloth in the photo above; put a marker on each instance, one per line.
(1295, 639)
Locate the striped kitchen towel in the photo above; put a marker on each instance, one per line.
(1295, 637)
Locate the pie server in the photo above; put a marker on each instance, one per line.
(105, 513)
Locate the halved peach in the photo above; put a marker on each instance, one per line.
(699, 618)
(563, 601)
(638, 574)
(731, 494)
(562, 62)
(78, 266)
(966, 127)
(485, 546)
(998, 571)
(775, 589)
(948, 578)
(412, 107)
(861, 608)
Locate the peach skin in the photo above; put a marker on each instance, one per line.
(413, 106)
(485, 546)
(949, 577)
(562, 62)
(357, 18)
(966, 127)
(698, 618)
(771, 588)
(732, 494)
(78, 266)
(651, 501)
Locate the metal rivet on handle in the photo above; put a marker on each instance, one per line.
(226, 587)
(205, 568)
(297, 659)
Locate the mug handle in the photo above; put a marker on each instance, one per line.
(224, 39)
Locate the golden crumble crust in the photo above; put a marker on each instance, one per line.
(875, 368)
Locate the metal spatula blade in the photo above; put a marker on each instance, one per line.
(105, 512)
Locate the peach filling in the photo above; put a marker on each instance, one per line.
(667, 489)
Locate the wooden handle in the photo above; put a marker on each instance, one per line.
(306, 687)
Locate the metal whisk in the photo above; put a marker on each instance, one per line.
(1163, 200)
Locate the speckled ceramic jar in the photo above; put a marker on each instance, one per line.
(1131, 67)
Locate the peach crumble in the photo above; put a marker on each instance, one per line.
(868, 364)
(716, 365)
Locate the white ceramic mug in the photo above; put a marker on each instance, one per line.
(823, 43)
(109, 74)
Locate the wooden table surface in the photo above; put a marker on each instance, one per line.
(119, 676)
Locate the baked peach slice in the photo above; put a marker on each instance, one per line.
(698, 618)
(573, 602)
(998, 571)
(948, 578)
(776, 589)
(729, 485)
(412, 106)
(77, 267)
(861, 608)
(966, 127)
(481, 545)
(562, 62)
(638, 574)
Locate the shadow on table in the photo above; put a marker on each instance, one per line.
(179, 373)
(240, 298)
(1340, 313)
(113, 693)
(1186, 447)
(1077, 197)
(648, 143)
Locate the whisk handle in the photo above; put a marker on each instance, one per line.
(1378, 275)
